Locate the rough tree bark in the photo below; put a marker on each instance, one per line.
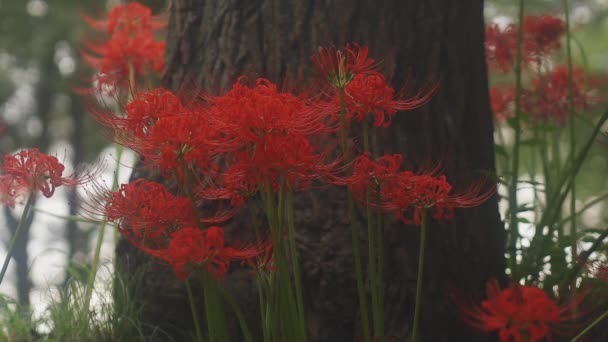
(211, 43)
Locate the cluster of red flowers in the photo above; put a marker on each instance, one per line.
(251, 139)
(165, 226)
(540, 36)
(518, 313)
(129, 50)
(366, 91)
(254, 138)
(379, 184)
(546, 98)
(28, 171)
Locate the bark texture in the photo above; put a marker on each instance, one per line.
(211, 43)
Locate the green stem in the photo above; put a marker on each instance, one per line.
(372, 261)
(373, 265)
(94, 266)
(565, 181)
(295, 262)
(513, 222)
(13, 243)
(420, 274)
(572, 130)
(100, 236)
(585, 207)
(73, 218)
(264, 310)
(590, 326)
(197, 325)
(354, 228)
(239, 315)
(374, 250)
(544, 155)
(380, 276)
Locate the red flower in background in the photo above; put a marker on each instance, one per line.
(520, 313)
(542, 34)
(501, 46)
(339, 67)
(31, 170)
(124, 55)
(548, 98)
(130, 52)
(502, 99)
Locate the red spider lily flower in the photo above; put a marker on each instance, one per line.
(190, 247)
(371, 179)
(292, 159)
(548, 98)
(379, 184)
(140, 114)
(519, 313)
(251, 113)
(502, 100)
(263, 264)
(177, 141)
(289, 161)
(12, 190)
(34, 170)
(501, 46)
(127, 17)
(268, 138)
(369, 94)
(125, 55)
(131, 51)
(164, 132)
(339, 67)
(147, 211)
(541, 34)
(418, 193)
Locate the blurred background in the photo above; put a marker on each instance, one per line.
(40, 65)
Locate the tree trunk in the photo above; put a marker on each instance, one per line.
(211, 43)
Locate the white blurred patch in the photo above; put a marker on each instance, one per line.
(37, 8)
